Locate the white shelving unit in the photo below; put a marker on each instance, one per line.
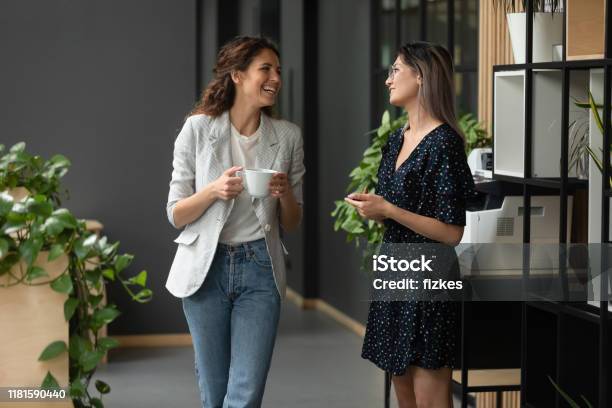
(509, 136)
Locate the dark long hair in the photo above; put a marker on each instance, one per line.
(434, 64)
(236, 55)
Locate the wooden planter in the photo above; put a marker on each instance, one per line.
(31, 318)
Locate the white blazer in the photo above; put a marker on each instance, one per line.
(202, 152)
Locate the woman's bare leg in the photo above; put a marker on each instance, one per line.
(404, 390)
(432, 388)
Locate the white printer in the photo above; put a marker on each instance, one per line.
(497, 216)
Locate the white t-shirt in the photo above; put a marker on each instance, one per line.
(242, 225)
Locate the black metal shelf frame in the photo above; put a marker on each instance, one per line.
(564, 184)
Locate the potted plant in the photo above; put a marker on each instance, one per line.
(37, 227)
(547, 28)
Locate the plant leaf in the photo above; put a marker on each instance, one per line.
(4, 247)
(103, 387)
(96, 402)
(35, 272)
(70, 306)
(56, 251)
(109, 274)
(122, 262)
(143, 296)
(76, 388)
(90, 359)
(140, 279)
(106, 343)
(63, 284)
(29, 249)
(53, 350)
(49, 382)
(78, 346)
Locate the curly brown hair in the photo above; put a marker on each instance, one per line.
(236, 55)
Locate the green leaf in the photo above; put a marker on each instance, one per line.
(586, 401)
(103, 387)
(6, 203)
(38, 205)
(8, 262)
(103, 316)
(53, 350)
(76, 388)
(595, 112)
(93, 275)
(386, 118)
(83, 246)
(4, 247)
(77, 346)
(109, 274)
(49, 382)
(70, 306)
(96, 402)
(140, 279)
(144, 295)
(90, 359)
(56, 251)
(35, 272)
(106, 343)
(63, 284)
(53, 226)
(566, 397)
(29, 249)
(94, 300)
(65, 217)
(18, 147)
(122, 262)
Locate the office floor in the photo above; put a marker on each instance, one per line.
(316, 364)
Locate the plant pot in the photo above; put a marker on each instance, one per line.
(31, 318)
(547, 32)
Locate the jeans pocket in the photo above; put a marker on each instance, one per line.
(261, 257)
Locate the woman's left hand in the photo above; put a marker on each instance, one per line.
(369, 206)
(279, 185)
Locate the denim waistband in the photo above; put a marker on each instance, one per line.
(242, 246)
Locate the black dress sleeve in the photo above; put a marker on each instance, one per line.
(447, 181)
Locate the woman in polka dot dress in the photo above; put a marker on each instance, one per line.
(423, 184)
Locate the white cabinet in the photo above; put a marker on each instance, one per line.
(509, 121)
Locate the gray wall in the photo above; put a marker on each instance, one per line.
(344, 112)
(106, 83)
(209, 40)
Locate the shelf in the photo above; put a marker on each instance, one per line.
(509, 114)
(502, 379)
(583, 64)
(553, 183)
(578, 310)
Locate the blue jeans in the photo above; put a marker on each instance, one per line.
(233, 319)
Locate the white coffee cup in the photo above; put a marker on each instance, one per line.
(256, 181)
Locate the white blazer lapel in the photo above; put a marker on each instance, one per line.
(268, 145)
(220, 143)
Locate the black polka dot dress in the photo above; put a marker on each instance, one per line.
(434, 181)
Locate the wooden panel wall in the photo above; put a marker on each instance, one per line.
(493, 48)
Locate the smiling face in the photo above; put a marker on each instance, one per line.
(403, 83)
(260, 83)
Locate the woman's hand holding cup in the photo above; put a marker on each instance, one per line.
(279, 185)
(228, 185)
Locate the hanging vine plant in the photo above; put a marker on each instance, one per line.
(38, 225)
